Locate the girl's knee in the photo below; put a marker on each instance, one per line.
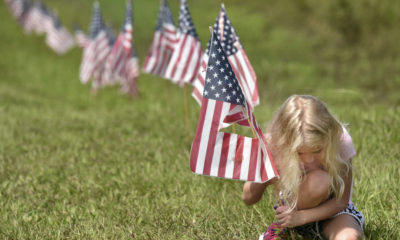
(347, 234)
(314, 189)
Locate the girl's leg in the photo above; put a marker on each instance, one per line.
(343, 227)
(313, 190)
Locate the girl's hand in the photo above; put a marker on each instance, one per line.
(288, 219)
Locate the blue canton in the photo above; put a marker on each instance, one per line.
(229, 37)
(221, 83)
(164, 15)
(185, 21)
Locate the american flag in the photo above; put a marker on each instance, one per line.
(97, 32)
(186, 58)
(115, 66)
(237, 58)
(104, 43)
(39, 19)
(58, 38)
(164, 42)
(221, 154)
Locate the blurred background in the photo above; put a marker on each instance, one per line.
(77, 165)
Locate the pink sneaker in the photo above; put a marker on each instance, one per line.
(274, 232)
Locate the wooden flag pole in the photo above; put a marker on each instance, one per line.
(186, 111)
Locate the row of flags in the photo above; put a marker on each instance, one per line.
(223, 79)
(38, 19)
(106, 60)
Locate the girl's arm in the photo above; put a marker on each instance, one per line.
(321, 212)
(252, 192)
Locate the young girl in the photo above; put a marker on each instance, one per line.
(313, 152)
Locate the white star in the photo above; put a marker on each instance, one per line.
(218, 62)
(237, 100)
(217, 95)
(215, 42)
(234, 92)
(208, 80)
(221, 69)
(219, 82)
(224, 90)
(215, 75)
(213, 55)
(223, 57)
(226, 77)
(219, 49)
(228, 97)
(205, 93)
(211, 67)
(230, 85)
(212, 87)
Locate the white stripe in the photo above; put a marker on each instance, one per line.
(231, 156)
(217, 155)
(204, 136)
(248, 76)
(244, 170)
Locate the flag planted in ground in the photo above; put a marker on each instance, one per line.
(186, 58)
(164, 42)
(237, 58)
(222, 154)
(97, 36)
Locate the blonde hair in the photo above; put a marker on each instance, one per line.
(305, 121)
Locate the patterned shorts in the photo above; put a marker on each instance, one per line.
(314, 229)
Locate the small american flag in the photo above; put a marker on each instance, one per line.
(96, 32)
(185, 61)
(236, 57)
(164, 42)
(121, 51)
(221, 154)
(58, 38)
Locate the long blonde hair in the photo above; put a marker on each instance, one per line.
(305, 121)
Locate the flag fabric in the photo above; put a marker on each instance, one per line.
(39, 19)
(164, 42)
(186, 58)
(97, 33)
(237, 58)
(129, 85)
(80, 37)
(222, 154)
(115, 66)
(58, 38)
(102, 50)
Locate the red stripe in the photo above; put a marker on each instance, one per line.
(224, 155)
(197, 95)
(189, 59)
(263, 174)
(212, 137)
(179, 56)
(253, 159)
(157, 46)
(238, 158)
(194, 153)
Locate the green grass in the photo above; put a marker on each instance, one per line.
(77, 166)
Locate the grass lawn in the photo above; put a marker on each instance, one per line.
(80, 166)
